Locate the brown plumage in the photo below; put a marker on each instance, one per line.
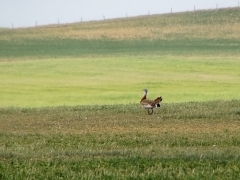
(150, 104)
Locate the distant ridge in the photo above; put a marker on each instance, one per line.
(224, 23)
(202, 31)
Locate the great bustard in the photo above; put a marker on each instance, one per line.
(150, 104)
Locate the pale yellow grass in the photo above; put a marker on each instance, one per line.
(132, 33)
(189, 25)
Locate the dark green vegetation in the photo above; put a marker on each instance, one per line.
(82, 48)
(184, 141)
(208, 33)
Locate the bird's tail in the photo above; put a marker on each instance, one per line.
(157, 101)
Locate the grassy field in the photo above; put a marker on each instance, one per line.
(183, 57)
(117, 80)
(179, 141)
(69, 98)
(204, 33)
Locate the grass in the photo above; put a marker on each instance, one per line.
(211, 24)
(181, 140)
(203, 33)
(98, 48)
(69, 98)
(111, 80)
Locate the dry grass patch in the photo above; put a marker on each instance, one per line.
(223, 24)
(179, 120)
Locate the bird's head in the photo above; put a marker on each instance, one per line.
(145, 90)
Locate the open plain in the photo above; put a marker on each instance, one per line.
(69, 98)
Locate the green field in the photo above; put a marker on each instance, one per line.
(179, 141)
(69, 98)
(117, 80)
(183, 57)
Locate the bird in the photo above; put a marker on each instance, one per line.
(150, 104)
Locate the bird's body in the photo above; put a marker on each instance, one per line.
(150, 104)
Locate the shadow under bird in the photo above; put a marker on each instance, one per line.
(150, 104)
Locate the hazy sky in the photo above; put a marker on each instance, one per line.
(25, 13)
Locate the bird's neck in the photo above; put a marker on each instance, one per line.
(144, 96)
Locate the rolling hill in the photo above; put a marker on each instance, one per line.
(200, 32)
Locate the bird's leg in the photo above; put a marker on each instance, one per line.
(150, 112)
